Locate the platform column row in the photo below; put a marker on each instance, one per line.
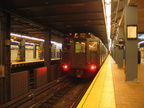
(127, 48)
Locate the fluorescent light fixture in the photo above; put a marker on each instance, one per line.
(17, 35)
(56, 43)
(27, 43)
(142, 42)
(141, 36)
(32, 38)
(15, 41)
(108, 19)
(26, 37)
(108, 16)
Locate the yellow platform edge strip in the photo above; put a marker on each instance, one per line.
(84, 99)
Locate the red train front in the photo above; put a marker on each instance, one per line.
(82, 55)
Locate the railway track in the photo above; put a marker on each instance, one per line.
(67, 96)
(53, 94)
(64, 93)
(34, 95)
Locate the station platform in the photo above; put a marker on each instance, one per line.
(109, 89)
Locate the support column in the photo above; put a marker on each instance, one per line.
(5, 62)
(34, 51)
(41, 52)
(47, 52)
(22, 50)
(120, 49)
(112, 50)
(116, 54)
(115, 51)
(131, 46)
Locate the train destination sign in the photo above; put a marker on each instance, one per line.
(81, 35)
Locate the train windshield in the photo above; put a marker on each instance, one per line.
(92, 46)
(80, 47)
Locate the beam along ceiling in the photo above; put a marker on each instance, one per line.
(65, 16)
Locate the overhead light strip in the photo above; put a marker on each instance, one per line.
(32, 38)
(26, 37)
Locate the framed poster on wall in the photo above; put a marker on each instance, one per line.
(132, 32)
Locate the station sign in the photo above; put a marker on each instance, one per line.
(132, 32)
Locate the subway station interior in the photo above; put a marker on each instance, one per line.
(71, 54)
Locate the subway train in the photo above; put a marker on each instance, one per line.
(82, 55)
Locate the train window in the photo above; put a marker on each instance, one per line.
(93, 46)
(80, 47)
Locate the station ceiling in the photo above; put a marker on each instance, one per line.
(31, 17)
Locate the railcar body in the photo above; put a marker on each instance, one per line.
(82, 55)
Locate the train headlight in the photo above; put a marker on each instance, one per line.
(65, 67)
(93, 67)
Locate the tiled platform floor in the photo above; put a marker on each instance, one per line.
(128, 95)
(109, 89)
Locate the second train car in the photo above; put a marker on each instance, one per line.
(82, 55)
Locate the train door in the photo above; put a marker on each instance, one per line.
(79, 54)
(93, 51)
(66, 52)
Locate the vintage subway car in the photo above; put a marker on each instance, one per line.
(82, 55)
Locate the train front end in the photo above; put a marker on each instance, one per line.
(79, 55)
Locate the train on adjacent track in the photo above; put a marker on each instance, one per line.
(82, 55)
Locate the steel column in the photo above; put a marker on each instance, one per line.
(47, 52)
(41, 50)
(5, 62)
(21, 51)
(34, 51)
(131, 46)
(120, 49)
